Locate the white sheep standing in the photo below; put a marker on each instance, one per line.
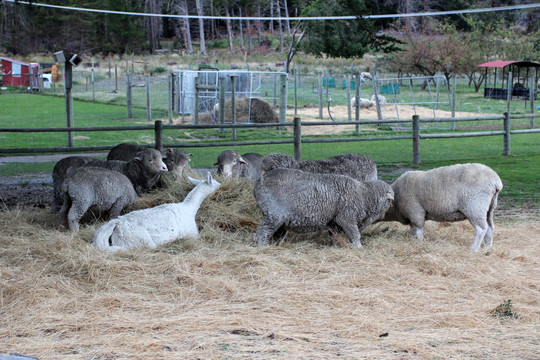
(158, 225)
(449, 193)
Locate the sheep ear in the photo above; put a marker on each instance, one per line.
(389, 196)
(209, 178)
(193, 181)
(242, 161)
(216, 163)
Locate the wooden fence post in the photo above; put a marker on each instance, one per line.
(129, 96)
(283, 98)
(295, 93)
(348, 84)
(196, 109)
(376, 92)
(320, 95)
(297, 138)
(357, 102)
(531, 100)
(454, 100)
(506, 150)
(275, 90)
(158, 132)
(221, 96)
(148, 104)
(416, 139)
(170, 104)
(93, 84)
(233, 105)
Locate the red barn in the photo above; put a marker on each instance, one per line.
(18, 73)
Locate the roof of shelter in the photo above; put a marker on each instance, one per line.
(503, 63)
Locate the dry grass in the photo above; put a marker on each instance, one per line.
(221, 298)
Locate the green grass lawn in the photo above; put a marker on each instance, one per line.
(20, 110)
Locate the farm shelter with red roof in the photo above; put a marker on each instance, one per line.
(524, 76)
(18, 73)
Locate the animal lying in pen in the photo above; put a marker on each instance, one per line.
(449, 193)
(300, 201)
(97, 188)
(158, 225)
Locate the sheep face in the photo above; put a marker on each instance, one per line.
(229, 163)
(152, 160)
(176, 161)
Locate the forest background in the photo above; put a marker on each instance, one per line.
(453, 44)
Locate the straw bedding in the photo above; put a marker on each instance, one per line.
(219, 297)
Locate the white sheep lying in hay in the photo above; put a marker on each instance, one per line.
(364, 103)
(158, 225)
(449, 193)
(382, 99)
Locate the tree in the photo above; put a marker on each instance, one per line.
(153, 7)
(338, 38)
(200, 12)
(182, 9)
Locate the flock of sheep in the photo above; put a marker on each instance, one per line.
(341, 194)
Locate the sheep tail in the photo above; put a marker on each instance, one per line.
(493, 205)
(102, 237)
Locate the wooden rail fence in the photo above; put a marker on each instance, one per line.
(297, 139)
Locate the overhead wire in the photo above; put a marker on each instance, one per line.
(299, 18)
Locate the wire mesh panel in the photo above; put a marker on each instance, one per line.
(203, 87)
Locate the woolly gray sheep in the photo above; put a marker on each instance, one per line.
(125, 151)
(300, 201)
(231, 164)
(449, 193)
(175, 159)
(143, 171)
(97, 188)
(357, 166)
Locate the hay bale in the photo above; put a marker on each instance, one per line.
(259, 112)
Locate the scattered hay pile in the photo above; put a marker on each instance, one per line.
(220, 297)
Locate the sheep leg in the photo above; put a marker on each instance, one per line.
(63, 215)
(481, 230)
(75, 214)
(488, 239)
(351, 230)
(266, 230)
(417, 231)
(280, 234)
(116, 209)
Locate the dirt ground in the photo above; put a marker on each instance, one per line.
(389, 112)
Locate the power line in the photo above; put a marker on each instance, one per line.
(303, 18)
